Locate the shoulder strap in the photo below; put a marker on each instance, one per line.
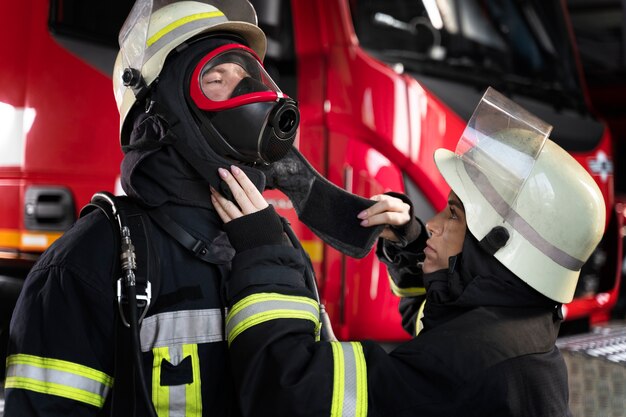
(122, 211)
(137, 221)
(218, 251)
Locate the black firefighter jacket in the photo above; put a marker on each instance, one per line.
(487, 347)
(61, 354)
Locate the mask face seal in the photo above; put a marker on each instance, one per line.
(242, 111)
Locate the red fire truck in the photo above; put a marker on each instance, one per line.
(381, 84)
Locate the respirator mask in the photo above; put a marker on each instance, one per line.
(240, 109)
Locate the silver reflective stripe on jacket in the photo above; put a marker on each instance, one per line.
(181, 327)
(58, 377)
(173, 337)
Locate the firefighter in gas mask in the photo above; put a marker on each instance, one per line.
(493, 267)
(193, 97)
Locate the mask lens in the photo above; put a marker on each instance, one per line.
(233, 74)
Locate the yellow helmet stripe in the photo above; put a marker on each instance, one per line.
(180, 22)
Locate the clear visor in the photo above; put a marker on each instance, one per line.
(499, 147)
(230, 76)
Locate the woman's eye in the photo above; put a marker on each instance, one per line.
(453, 213)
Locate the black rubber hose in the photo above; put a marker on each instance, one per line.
(134, 331)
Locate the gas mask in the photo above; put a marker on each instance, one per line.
(239, 108)
(244, 116)
(229, 110)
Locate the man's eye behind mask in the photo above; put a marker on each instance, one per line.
(240, 110)
(231, 76)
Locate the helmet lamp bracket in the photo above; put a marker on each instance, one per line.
(131, 77)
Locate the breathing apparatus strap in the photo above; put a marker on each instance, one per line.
(126, 217)
(217, 252)
(134, 293)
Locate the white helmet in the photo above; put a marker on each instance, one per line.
(154, 28)
(526, 199)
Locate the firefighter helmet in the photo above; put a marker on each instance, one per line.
(154, 28)
(527, 200)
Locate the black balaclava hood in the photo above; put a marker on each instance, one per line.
(476, 278)
(168, 159)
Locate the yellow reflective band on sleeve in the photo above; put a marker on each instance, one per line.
(419, 326)
(260, 308)
(180, 22)
(349, 381)
(405, 292)
(58, 377)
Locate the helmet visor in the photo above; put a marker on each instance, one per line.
(231, 76)
(499, 147)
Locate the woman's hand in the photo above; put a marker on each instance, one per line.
(247, 196)
(388, 210)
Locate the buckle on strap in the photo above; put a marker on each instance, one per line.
(142, 301)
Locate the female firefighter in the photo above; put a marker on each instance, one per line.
(496, 264)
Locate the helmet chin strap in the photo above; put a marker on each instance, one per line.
(495, 239)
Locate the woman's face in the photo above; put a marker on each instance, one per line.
(447, 233)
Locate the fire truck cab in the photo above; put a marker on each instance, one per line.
(380, 84)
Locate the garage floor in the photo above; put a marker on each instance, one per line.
(596, 365)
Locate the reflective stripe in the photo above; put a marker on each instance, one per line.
(58, 377)
(419, 326)
(259, 308)
(405, 292)
(160, 393)
(524, 228)
(180, 27)
(193, 393)
(181, 327)
(183, 400)
(350, 380)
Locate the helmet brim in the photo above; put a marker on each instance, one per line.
(447, 163)
(253, 35)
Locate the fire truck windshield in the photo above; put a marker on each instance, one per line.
(513, 45)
